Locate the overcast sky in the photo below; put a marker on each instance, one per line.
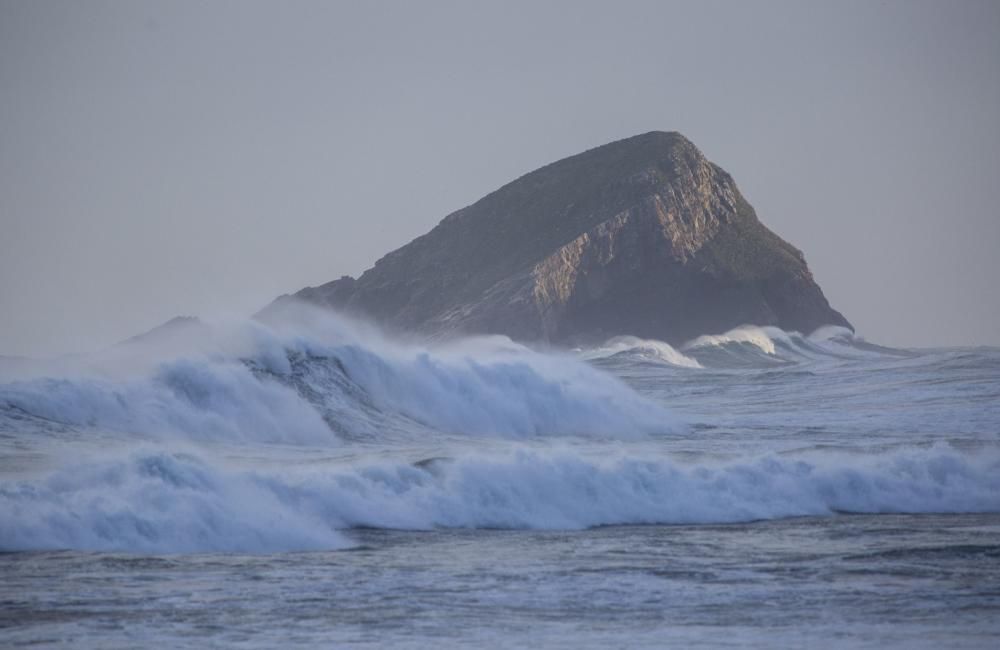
(166, 158)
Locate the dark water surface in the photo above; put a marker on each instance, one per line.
(848, 581)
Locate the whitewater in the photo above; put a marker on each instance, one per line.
(309, 481)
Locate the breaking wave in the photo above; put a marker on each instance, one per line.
(743, 346)
(750, 345)
(166, 503)
(763, 338)
(324, 379)
(285, 435)
(646, 349)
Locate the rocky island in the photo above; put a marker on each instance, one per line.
(643, 236)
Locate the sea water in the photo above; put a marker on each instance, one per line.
(311, 482)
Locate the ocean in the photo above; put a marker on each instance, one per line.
(311, 482)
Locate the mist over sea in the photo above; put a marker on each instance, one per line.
(312, 482)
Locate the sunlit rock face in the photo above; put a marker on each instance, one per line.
(643, 236)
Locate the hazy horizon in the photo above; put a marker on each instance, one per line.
(165, 159)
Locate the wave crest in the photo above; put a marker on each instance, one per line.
(649, 349)
(294, 385)
(758, 337)
(157, 502)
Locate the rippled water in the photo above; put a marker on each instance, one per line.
(317, 484)
(857, 581)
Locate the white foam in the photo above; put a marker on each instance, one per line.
(515, 394)
(647, 348)
(750, 334)
(567, 490)
(829, 341)
(276, 383)
(158, 502)
(199, 399)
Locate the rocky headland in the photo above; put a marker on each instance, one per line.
(643, 236)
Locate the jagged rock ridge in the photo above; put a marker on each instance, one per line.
(643, 236)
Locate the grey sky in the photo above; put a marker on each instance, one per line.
(173, 158)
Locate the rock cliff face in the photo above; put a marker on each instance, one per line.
(643, 236)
